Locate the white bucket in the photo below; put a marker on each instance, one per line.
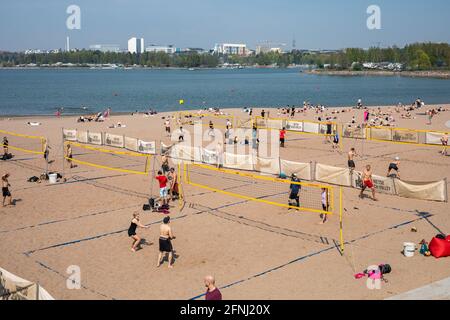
(409, 249)
(52, 177)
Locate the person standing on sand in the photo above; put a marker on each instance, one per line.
(325, 205)
(162, 179)
(174, 188)
(282, 137)
(351, 162)
(212, 293)
(167, 126)
(165, 164)
(69, 155)
(444, 141)
(132, 231)
(46, 151)
(366, 116)
(367, 182)
(181, 135)
(5, 146)
(5, 190)
(165, 241)
(263, 114)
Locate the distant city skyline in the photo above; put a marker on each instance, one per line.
(322, 24)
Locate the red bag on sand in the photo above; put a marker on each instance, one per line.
(440, 248)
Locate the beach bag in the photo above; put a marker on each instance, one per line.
(146, 207)
(440, 248)
(151, 202)
(33, 179)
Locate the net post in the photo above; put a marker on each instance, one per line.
(63, 153)
(341, 234)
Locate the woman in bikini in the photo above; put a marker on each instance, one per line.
(132, 231)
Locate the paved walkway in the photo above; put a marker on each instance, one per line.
(436, 291)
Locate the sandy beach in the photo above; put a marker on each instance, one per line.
(257, 250)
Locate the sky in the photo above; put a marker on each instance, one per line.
(318, 24)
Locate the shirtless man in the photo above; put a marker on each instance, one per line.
(165, 241)
(173, 181)
(351, 155)
(444, 141)
(5, 190)
(367, 182)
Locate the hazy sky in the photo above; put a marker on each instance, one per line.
(318, 24)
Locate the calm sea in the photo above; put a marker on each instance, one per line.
(42, 91)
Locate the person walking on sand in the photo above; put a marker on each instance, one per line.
(5, 190)
(165, 242)
(69, 155)
(212, 293)
(165, 164)
(132, 231)
(444, 141)
(367, 182)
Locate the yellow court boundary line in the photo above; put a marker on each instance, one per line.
(256, 199)
(24, 150)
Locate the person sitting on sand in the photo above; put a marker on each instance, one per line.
(367, 182)
(444, 141)
(132, 231)
(394, 166)
(165, 241)
(5, 190)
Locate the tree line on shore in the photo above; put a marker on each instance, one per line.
(418, 56)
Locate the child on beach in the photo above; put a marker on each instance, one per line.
(5, 190)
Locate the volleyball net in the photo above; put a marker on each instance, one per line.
(108, 159)
(218, 121)
(22, 142)
(284, 193)
(321, 128)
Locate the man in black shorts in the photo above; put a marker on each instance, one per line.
(394, 167)
(5, 190)
(295, 190)
(351, 162)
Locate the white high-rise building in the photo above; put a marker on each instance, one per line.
(231, 48)
(136, 45)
